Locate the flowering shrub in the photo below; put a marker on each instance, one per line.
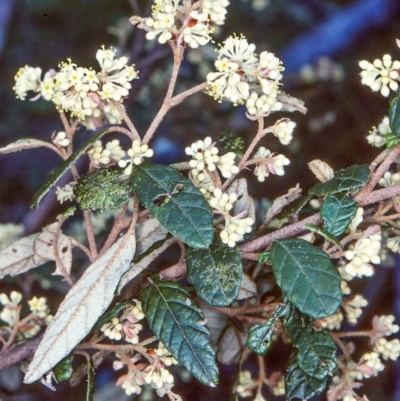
(202, 206)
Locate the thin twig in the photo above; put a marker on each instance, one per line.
(127, 120)
(90, 234)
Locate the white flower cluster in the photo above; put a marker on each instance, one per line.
(365, 251)
(370, 365)
(102, 157)
(283, 130)
(126, 326)
(245, 384)
(65, 193)
(381, 75)
(204, 183)
(262, 105)
(165, 356)
(10, 312)
(239, 69)
(332, 322)
(205, 157)
(389, 179)
(353, 308)
(83, 92)
(376, 136)
(393, 243)
(388, 349)
(222, 201)
(135, 155)
(60, 139)
(270, 163)
(172, 20)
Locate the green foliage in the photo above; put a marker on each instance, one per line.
(62, 169)
(264, 257)
(392, 140)
(63, 370)
(90, 380)
(180, 325)
(215, 273)
(175, 202)
(101, 190)
(299, 385)
(338, 211)
(294, 207)
(394, 115)
(112, 312)
(231, 143)
(307, 277)
(324, 233)
(346, 179)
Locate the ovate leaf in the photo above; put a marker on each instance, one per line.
(23, 144)
(338, 211)
(322, 170)
(86, 301)
(63, 370)
(394, 115)
(102, 190)
(175, 202)
(307, 277)
(215, 273)
(179, 324)
(62, 169)
(299, 385)
(19, 257)
(346, 179)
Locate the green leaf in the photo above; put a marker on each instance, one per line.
(90, 380)
(215, 273)
(294, 207)
(299, 385)
(231, 143)
(346, 179)
(63, 370)
(338, 211)
(101, 190)
(307, 277)
(264, 257)
(392, 140)
(326, 234)
(316, 350)
(112, 312)
(178, 205)
(180, 325)
(394, 115)
(62, 169)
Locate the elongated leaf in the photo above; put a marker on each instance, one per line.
(346, 179)
(394, 115)
(87, 300)
(215, 273)
(299, 385)
(338, 211)
(316, 351)
(307, 277)
(62, 169)
(179, 324)
(23, 144)
(175, 202)
(147, 233)
(101, 190)
(19, 257)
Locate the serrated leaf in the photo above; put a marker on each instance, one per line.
(147, 233)
(62, 169)
(322, 170)
(346, 179)
(299, 385)
(338, 211)
(179, 324)
(63, 370)
(101, 190)
(54, 245)
(231, 143)
(90, 380)
(248, 288)
(394, 115)
(316, 351)
(392, 140)
(215, 273)
(86, 301)
(23, 144)
(175, 202)
(307, 277)
(19, 257)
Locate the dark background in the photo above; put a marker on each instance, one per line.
(340, 114)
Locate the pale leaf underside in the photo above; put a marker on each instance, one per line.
(22, 144)
(87, 300)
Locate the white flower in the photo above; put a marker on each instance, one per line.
(376, 136)
(10, 312)
(370, 360)
(262, 105)
(352, 308)
(366, 251)
(283, 130)
(272, 164)
(204, 183)
(222, 201)
(204, 155)
(161, 23)
(385, 325)
(235, 229)
(65, 193)
(27, 79)
(389, 179)
(47, 85)
(136, 154)
(226, 165)
(381, 75)
(130, 325)
(332, 322)
(165, 355)
(393, 243)
(112, 329)
(196, 32)
(39, 307)
(245, 384)
(279, 388)
(216, 9)
(60, 139)
(130, 383)
(357, 220)
(388, 349)
(158, 377)
(269, 71)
